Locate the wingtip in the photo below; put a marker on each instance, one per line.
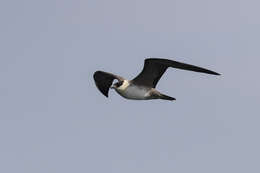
(95, 74)
(218, 74)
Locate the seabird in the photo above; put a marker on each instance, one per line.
(142, 87)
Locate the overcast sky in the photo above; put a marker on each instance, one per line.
(53, 119)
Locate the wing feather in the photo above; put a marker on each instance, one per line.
(154, 68)
(104, 80)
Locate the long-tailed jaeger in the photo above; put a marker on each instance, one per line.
(143, 86)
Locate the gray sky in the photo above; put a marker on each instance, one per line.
(53, 119)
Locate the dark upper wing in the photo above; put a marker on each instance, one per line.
(154, 68)
(104, 80)
(151, 73)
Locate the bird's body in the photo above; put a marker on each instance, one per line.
(130, 91)
(143, 86)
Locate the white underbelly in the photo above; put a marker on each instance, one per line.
(134, 93)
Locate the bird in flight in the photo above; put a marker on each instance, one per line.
(142, 87)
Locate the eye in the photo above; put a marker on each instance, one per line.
(118, 84)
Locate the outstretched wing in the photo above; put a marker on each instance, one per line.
(154, 68)
(104, 80)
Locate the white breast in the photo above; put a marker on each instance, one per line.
(132, 92)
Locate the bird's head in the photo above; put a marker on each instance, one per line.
(121, 85)
(117, 85)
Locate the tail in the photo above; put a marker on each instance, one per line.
(165, 97)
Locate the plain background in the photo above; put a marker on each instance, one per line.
(53, 119)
